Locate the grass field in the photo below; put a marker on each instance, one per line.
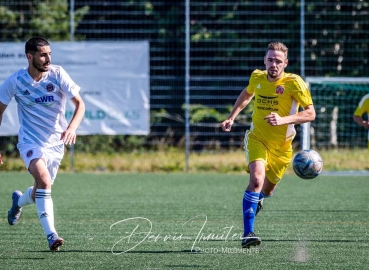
(196, 221)
(173, 160)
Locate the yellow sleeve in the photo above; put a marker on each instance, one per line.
(250, 88)
(301, 92)
(363, 106)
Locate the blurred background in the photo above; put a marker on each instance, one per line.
(224, 42)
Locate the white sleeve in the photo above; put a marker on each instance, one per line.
(7, 91)
(68, 86)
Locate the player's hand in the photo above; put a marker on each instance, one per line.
(274, 119)
(69, 136)
(1, 159)
(227, 125)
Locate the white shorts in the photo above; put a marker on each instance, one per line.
(52, 156)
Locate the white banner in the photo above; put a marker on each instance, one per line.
(114, 80)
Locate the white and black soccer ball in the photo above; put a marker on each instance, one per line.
(307, 164)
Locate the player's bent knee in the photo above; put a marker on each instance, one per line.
(41, 173)
(254, 186)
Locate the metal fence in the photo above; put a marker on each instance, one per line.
(226, 41)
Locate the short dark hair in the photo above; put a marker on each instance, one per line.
(33, 43)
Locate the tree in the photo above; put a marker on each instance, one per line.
(50, 19)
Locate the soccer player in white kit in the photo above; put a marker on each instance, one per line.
(41, 91)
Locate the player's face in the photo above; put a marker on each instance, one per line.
(275, 63)
(42, 59)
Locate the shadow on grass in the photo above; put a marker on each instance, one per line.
(188, 251)
(118, 252)
(188, 266)
(12, 258)
(319, 211)
(316, 240)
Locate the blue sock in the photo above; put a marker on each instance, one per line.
(249, 205)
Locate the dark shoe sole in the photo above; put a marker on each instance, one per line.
(15, 193)
(251, 243)
(56, 245)
(11, 222)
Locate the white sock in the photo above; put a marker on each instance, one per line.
(26, 198)
(45, 210)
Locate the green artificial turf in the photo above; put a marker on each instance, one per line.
(188, 221)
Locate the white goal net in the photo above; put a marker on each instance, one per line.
(342, 142)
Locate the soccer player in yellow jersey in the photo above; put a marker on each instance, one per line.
(361, 109)
(268, 143)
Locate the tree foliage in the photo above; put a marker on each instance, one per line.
(227, 39)
(50, 19)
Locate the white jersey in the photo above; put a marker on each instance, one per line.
(41, 105)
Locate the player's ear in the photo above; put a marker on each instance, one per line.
(29, 56)
(286, 63)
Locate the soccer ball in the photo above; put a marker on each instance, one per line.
(307, 164)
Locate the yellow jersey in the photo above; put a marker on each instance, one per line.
(283, 97)
(363, 106)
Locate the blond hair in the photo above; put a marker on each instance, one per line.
(277, 46)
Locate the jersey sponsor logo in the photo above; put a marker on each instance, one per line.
(267, 97)
(29, 153)
(267, 100)
(44, 99)
(266, 103)
(50, 87)
(279, 90)
(267, 108)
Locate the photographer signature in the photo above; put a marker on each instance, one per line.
(225, 235)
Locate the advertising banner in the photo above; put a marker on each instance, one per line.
(114, 80)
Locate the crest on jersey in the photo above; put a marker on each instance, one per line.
(279, 90)
(29, 153)
(50, 87)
